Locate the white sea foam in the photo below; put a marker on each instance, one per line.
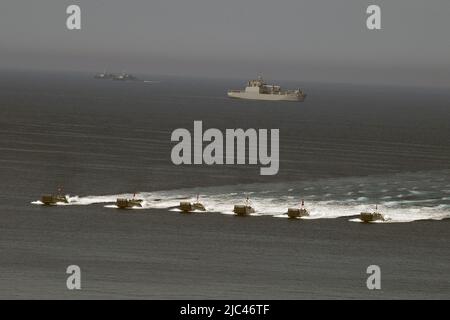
(275, 198)
(277, 207)
(76, 200)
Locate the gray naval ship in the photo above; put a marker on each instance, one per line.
(259, 90)
(104, 75)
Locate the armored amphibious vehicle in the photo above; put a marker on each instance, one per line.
(51, 200)
(298, 212)
(244, 209)
(124, 203)
(187, 206)
(372, 216)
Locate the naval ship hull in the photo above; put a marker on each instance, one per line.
(265, 96)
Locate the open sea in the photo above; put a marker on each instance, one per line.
(344, 150)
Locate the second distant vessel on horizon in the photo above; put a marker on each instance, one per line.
(112, 76)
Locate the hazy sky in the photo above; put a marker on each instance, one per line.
(318, 40)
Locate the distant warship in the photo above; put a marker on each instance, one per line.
(125, 77)
(119, 77)
(259, 90)
(104, 75)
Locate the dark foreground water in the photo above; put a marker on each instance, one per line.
(344, 150)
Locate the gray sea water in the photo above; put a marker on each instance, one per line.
(345, 149)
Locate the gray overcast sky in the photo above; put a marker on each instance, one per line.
(318, 40)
